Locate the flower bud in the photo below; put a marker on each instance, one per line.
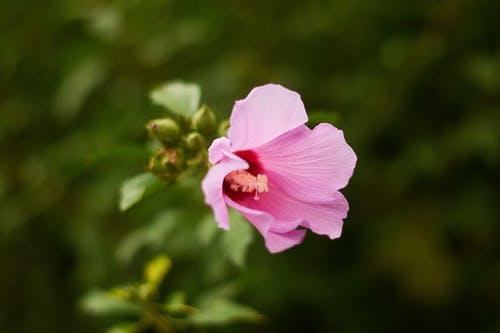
(167, 163)
(164, 130)
(199, 159)
(223, 127)
(194, 141)
(204, 120)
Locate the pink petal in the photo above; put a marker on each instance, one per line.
(279, 242)
(261, 220)
(284, 226)
(213, 182)
(325, 218)
(267, 112)
(333, 228)
(264, 223)
(310, 165)
(217, 149)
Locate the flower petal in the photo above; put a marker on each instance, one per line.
(267, 112)
(325, 218)
(217, 149)
(276, 242)
(264, 223)
(213, 182)
(310, 165)
(332, 228)
(261, 220)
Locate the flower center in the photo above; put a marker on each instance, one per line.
(242, 180)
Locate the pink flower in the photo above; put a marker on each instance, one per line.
(278, 173)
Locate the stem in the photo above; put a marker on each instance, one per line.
(160, 323)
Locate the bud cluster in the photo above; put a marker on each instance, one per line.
(183, 142)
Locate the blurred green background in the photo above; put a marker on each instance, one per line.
(414, 85)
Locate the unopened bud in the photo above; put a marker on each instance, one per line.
(223, 127)
(167, 163)
(194, 141)
(164, 130)
(204, 120)
(199, 159)
(174, 161)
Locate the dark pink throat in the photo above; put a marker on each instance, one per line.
(255, 167)
(240, 184)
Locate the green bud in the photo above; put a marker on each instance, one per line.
(155, 165)
(174, 161)
(199, 159)
(194, 141)
(223, 127)
(167, 163)
(204, 120)
(164, 130)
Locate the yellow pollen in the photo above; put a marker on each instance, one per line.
(242, 180)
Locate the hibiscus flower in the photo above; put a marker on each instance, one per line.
(279, 174)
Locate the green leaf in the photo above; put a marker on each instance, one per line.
(220, 311)
(133, 189)
(77, 86)
(226, 290)
(176, 304)
(147, 291)
(206, 229)
(125, 328)
(176, 298)
(151, 235)
(123, 292)
(177, 96)
(98, 302)
(236, 240)
(156, 269)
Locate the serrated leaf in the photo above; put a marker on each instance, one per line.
(177, 96)
(98, 302)
(220, 311)
(133, 189)
(236, 240)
